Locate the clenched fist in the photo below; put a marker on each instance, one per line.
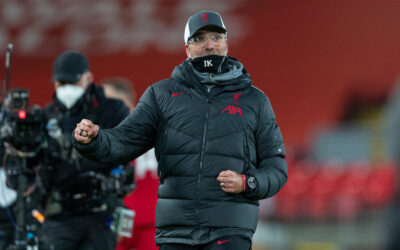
(85, 131)
(231, 182)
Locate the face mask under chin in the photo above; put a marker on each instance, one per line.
(69, 94)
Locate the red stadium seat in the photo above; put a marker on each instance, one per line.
(380, 186)
(288, 200)
(322, 189)
(350, 187)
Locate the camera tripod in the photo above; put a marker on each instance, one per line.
(24, 232)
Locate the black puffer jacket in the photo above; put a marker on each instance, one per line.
(196, 135)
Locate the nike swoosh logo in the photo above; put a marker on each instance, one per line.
(222, 241)
(175, 94)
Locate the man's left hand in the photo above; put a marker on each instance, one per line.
(231, 182)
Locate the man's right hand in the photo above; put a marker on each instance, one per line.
(85, 131)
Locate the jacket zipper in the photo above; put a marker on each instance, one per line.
(162, 156)
(202, 158)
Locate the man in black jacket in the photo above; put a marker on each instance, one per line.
(81, 197)
(218, 146)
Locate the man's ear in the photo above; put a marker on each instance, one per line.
(187, 49)
(85, 80)
(227, 47)
(90, 77)
(56, 84)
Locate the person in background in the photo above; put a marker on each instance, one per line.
(216, 139)
(143, 199)
(120, 88)
(82, 194)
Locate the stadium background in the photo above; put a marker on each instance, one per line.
(324, 65)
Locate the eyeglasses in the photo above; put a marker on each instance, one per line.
(202, 39)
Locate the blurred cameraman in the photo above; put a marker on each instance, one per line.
(80, 201)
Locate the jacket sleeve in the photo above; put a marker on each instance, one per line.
(132, 137)
(271, 171)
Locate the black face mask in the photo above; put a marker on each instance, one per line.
(211, 64)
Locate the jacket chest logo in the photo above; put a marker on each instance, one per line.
(232, 109)
(236, 98)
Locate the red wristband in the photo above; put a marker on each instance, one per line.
(244, 182)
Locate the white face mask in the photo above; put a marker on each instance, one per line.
(69, 94)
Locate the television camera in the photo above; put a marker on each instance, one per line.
(22, 144)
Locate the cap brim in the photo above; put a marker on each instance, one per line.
(211, 27)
